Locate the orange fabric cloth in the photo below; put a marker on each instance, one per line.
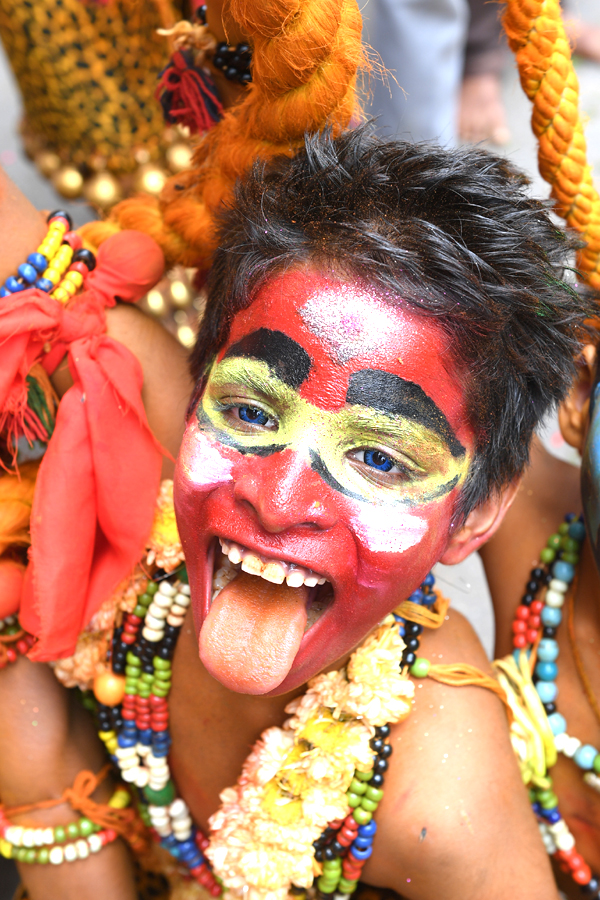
(97, 485)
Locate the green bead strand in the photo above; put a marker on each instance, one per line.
(357, 787)
(362, 816)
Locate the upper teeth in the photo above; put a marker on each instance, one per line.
(274, 570)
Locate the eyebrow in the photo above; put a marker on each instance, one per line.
(287, 360)
(392, 395)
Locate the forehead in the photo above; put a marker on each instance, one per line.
(321, 331)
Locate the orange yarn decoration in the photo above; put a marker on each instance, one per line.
(463, 674)
(537, 37)
(306, 54)
(428, 618)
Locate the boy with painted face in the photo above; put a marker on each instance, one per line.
(384, 329)
(385, 326)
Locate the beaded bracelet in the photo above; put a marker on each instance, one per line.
(13, 641)
(59, 266)
(59, 844)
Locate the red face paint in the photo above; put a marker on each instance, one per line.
(332, 435)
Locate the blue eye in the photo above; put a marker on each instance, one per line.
(377, 460)
(253, 415)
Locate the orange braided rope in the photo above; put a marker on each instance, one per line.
(537, 37)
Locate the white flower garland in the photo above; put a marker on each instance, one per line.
(295, 780)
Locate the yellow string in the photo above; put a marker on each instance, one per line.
(531, 734)
(463, 674)
(432, 617)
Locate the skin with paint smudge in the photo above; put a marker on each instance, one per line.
(346, 459)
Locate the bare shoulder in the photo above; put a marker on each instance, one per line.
(455, 819)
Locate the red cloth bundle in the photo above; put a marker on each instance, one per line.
(98, 481)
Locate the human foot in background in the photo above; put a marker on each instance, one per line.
(584, 39)
(481, 111)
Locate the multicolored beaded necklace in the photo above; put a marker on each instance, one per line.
(135, 733)
(534, 632)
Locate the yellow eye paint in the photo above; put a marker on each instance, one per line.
(328, 440)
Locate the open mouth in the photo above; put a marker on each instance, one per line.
(234, 558)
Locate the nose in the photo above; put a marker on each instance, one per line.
(284, 492)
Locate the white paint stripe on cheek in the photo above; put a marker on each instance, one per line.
(204, 464)
(384, 530)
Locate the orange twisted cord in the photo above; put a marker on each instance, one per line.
(537, 37)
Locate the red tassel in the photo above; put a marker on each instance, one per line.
(188, 94)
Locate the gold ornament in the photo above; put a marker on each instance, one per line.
(150, 178)
(156, 303)
(179, 156)
(186, 335)
(47, 162)
(180, 293)
(103, 190)
(68, 181)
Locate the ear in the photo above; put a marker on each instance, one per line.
(573, 413)
(481, 523)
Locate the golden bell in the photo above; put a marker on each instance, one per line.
(47, 162)
(68, 181)
(179, 156)
(150, 178)
(155, 301)
(102, 190)
(186, 335)
(180, 293)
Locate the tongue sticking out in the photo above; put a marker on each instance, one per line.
(252, 633)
